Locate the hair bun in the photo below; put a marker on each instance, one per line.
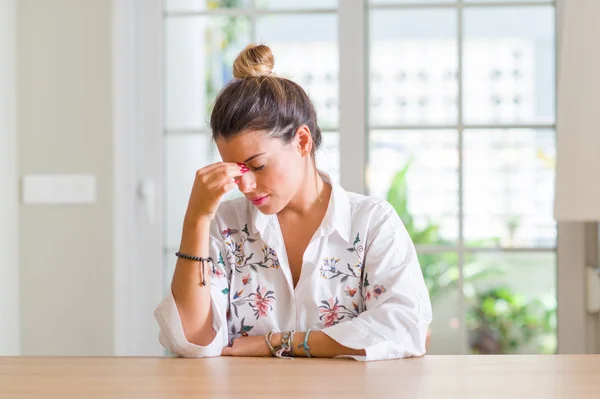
(254, 61)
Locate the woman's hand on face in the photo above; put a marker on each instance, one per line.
(210, 184)
(254, 346)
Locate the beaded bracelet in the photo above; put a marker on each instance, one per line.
(198, 259)
(268, 341)
(305, 344)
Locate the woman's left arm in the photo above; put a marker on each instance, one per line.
(397, 308)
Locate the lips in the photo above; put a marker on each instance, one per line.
(259, 200)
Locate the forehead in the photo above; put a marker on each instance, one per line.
(245, 145)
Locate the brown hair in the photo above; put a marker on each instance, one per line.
(258, 100)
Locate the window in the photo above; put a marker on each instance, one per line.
(462, 143)
(460, 138)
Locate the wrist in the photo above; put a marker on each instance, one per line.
(194, 224)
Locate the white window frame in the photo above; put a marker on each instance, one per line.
(137, 111)
(136, 102)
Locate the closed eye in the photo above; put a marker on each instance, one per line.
(257, 168)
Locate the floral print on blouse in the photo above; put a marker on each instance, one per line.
(360, 282)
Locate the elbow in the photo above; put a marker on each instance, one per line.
(414, 341)
(421, 338)
(201, 338)
(186, 349)
(197, 328)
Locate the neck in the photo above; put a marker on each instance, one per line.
(312, 194)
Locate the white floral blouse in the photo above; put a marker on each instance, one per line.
(360, 283)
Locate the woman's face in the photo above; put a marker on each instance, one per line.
(276, 170)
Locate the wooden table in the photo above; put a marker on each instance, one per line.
(480, 377)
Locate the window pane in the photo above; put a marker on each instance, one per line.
(506, 312)
(441, 276)
(184, 155)
(202, 5)
(509, 188)
(328, 156)
(413, 64)
(507, 1)
(410, 1)
(309, 57)
(509, 71)
(199, 54)
(417, 172)
(296, 4)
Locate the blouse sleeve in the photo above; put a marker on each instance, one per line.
(397, 308)
(171, 334)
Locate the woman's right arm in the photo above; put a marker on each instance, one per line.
(187, 319)
(193, 299)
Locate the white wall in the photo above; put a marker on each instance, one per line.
(9, 276)
(65, 126)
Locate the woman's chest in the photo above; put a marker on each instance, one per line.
(263, 293)
(297, 237)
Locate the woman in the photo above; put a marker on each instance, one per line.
(299, 267)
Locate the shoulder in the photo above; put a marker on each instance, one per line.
(384, 232)
(365, 207)
(377, 219)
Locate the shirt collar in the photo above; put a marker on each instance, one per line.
(337, 218)
(260, 220)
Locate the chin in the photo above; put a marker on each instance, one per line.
(269, 210)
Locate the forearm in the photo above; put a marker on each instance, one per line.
(192, 298)
(321, 345)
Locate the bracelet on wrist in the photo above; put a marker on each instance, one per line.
(304, 344)
(198, 259)
(272, 349)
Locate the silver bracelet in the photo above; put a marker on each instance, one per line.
(268, 341)
(286, 349)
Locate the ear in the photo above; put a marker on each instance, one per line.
(304, 140)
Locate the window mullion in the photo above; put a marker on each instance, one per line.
(461, 223)
(353, 61)
(253, 20)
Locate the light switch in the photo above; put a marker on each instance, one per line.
(59, 189)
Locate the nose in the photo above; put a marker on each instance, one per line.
(247, 183)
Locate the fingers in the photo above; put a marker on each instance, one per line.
(228, 168)
(223, 185)
(227, 351)
(216, 165)
(229, 186)
(218, 175)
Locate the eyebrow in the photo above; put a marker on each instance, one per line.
(254, 156)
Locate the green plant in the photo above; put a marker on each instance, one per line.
(499, 320)
(440, 270)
